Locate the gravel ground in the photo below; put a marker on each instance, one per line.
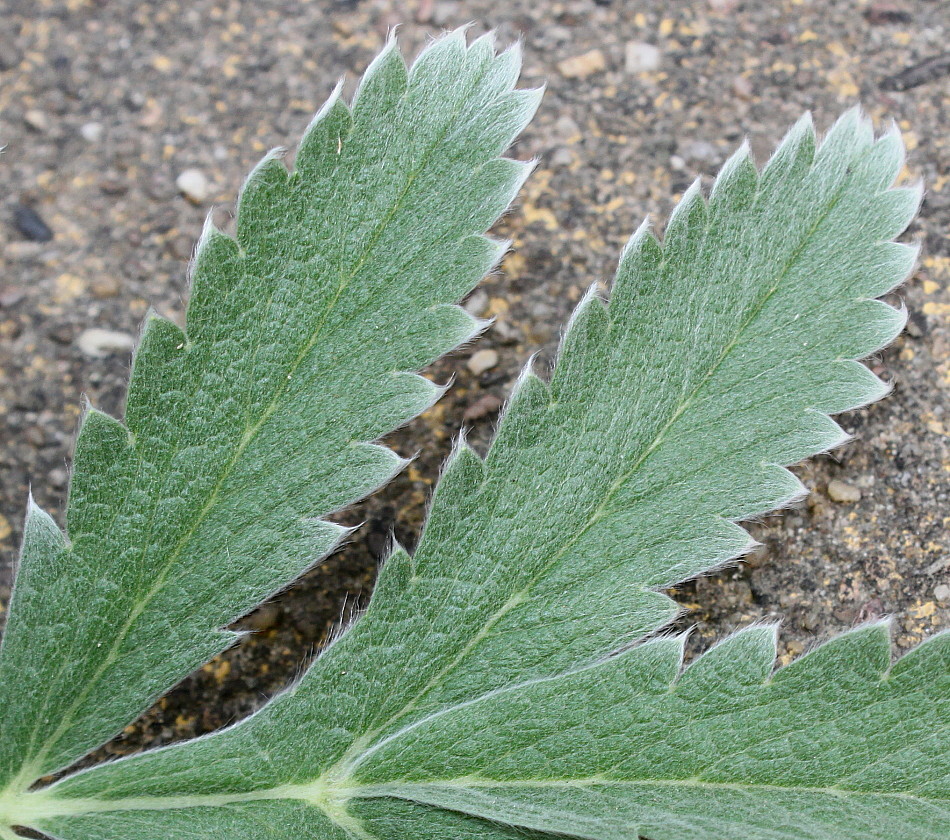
(105, 106)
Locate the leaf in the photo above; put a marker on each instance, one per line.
(245, 429)
(835, 745)
(477, 680)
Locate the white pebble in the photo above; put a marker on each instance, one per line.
(942, 592)
(193, 184)
(476, 304)
(482, 360)
(838, 491)
(36, 120)
(641, 57)
(91, 132)
(98, 343)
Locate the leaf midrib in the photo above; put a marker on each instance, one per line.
(41, 805)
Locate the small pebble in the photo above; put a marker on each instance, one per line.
(641, 57)
(112, 183)
(182, 246)
(879, 13)
(483, 360)
(98, 343)
(698, 150)
(104, 288)
(839, 491)
(61, 333)
(91, 132)
(10, 297)
(476, 304)
(482, 407)
(566, 128)
(742, 88)
(582, 66)
(22, 250)
(193, 184)
(36, 120)
(35, 436)
(942, 592)
(31, 224)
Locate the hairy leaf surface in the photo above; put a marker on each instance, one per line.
(835, 745)
(244, 429)
(478, 697)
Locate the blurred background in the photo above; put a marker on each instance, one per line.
(125, 123)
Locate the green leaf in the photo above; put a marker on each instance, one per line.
(481, 682)
(835, 745)
(246, 428)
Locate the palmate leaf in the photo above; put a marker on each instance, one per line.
(477, 698)
(248, 426)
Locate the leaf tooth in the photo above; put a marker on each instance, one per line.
(584, 348)
(884, 324)
(655, 665)
(442, 63)
(640, 269)
(519, 107)
(877, 162)
(853, 387)
(773, 486)
(723, 541)
(101, 468)
(214, 272)
(438, 330)
(483, 46)
(377, 466)
(745, 658)
(157, 373)
(685, 230)
(259, 201)
(860, 655)
(42, 537)
(394, 576)
(794, 155)
(498, 249)
(839, 157)
(653, 610)
(894, 264)
(816, 433)
(456, 495)
(329, 535)
(213, 247)
(890, 212)
(323, 142)
(848, 139)
(888, 156)
(921, 664)
(736, 183)
(464, 465)
(493, 187)
(396, 399)
(530, 400)
(506, 67)
(383, 84)
(642, 243)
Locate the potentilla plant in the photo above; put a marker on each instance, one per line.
(511, 677)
